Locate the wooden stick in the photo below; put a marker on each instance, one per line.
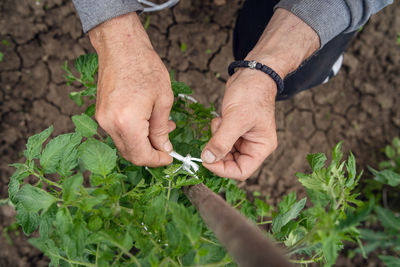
(245, 242)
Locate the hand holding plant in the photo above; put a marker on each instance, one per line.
(134, 92)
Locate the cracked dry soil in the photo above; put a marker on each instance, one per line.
(359, 106)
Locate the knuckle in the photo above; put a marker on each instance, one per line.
(220, 147)
(161, 130)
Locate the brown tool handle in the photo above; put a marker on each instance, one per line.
(244, 241)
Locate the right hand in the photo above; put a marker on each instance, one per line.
(134, 96)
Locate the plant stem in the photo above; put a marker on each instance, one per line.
(42, 178)
(72, 261)
(209, 241)
(264, 222)
(306, 261)
(239, 203)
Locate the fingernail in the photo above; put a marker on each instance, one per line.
(208, 157)
(168, 146)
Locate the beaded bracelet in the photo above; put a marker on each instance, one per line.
(258, 66)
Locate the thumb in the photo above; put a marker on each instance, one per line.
(160, 126)
(222, 141)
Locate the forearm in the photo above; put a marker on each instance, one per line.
(331, 18)
(286, 42)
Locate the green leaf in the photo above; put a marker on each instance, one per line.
(87, 65)
(386, 177)
(182, 181)
(353, 218)
(35, 142)
(287, 202)
(389, 152)
(180, 88)
(46, 221)
(330, 249)
(390, 261)
(15, 180)
(283, 218)
(58, 149)
(69, 186)
(77, 98)
(34, 199)
(316, 161)
(95, 223)
(185, 221)
(262, 207)
(91, 110)
(337, 154)
(97, 157)
(387, 218)
(69, 159)
(29, 220)
(84, 125)
(1, 56)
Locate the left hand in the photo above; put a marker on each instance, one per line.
(246, 133)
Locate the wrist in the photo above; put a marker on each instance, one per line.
(119, 34)
(286, 42)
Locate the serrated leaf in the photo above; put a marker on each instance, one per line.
(337, 153)
(15, 181)
(185, 221)
(330, 249)
(35, 142)
(46, 221)
(34, 199)
(69, 158)
(97, 157)
(84, 125)
(180, 88)
(287, 202)
(29, 220)
(353, 218)
(387, 176)
(388, 219)
(316, 161)
(69, 186)
(58, 149)
(87, 65)
(283, 218)
(262, 207)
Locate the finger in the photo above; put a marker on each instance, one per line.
(159, 125)
(240, 165)
(138, 149)
(223, 139)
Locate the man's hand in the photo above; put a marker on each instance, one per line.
(246, 133)
(134, 92)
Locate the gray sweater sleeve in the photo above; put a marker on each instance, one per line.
(329, 18)
(94, 12)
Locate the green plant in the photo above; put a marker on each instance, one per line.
(385, 187)
(93, 208)
(1, 56)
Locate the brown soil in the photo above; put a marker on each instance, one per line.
(359, 106)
